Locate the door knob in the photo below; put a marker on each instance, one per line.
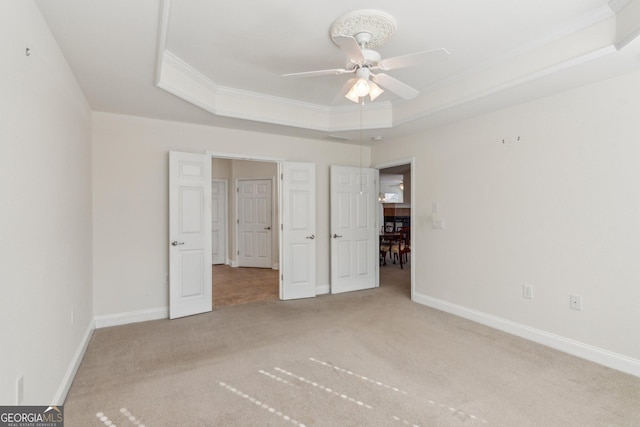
(335, 236)
(267, 228)
(313, 236)
(176, 243)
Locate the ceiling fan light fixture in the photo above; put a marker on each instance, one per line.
(361, 87)
(352, 95)
(374, 91)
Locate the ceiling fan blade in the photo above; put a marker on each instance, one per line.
(350, 47)
(413, 59)
(394, 85)
(332, 72)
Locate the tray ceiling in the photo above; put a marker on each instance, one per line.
(221, 63)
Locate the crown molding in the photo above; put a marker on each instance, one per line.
(163, 31)
(588, 20)
(617, 5)
(503, 87)
(627, 21)
(496, 75)
(181, 79)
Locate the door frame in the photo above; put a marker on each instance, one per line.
(275, 218)
(414, 236)
(225, 183)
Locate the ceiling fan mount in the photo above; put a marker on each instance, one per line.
(371, 27)
(356, 34)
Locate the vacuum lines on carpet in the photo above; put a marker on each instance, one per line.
(292, 379)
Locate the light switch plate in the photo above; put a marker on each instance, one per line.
(575, 302)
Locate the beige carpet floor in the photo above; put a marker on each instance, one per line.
(367, 358)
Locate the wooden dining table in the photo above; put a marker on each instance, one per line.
(390, 236)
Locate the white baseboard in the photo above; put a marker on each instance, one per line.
(132, 317)
(67, 380)
(275, 266)
(323, 289)
(576, 348)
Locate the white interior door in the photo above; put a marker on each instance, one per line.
(354, 234)
(298, 248)
(218, 221)
(189, 234)
(254, 223)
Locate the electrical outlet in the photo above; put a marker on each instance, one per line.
(438, 224)
(575, 302)
(527, 291)
(20, 390)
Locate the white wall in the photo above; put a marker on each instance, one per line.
(130, 176)
(558, 210)
(45, 218)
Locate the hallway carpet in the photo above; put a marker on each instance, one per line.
(233, 286)
(367, 358)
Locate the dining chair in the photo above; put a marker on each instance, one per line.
(402, 248)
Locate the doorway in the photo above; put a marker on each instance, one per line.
(396, 196)
(250, 268)
(190, 260)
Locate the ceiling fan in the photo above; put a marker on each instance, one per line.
(357, 33)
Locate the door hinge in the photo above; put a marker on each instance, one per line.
(238, 221)
(281, 227)
(237, 189)
(238, 252)
(281, 177)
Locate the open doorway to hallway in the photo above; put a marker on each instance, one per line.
(245, 238)
(395, 227)
(241, 285)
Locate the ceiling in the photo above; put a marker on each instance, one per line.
(221, 63)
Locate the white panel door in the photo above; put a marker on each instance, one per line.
(189, 234)
(254, 223)
(354, 235)
(298, 254)
(218, 221)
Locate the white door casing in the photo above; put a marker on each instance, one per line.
(298, 248)
(254, 223)
(354, 234)
(218, 221)
(189, 234)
